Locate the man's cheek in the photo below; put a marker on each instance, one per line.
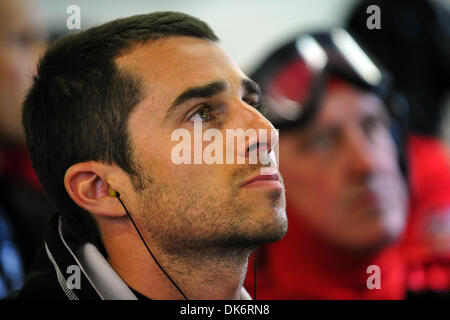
(320, 197)
(182, 173)
(386, 154)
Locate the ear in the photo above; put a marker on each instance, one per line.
(86, 183)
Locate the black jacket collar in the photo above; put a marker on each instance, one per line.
(67, 254)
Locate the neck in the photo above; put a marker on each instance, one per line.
(200, 274)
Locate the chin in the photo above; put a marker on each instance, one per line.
(256, 239)
(270, 227)
(371, 242)
(386, 231)
(273, 204)
(273, 228)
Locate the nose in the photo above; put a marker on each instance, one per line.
(260, 139)
(361, 158)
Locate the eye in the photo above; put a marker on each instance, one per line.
(22, 40)
(322, 142)
(255, 101)
(370, 125)
(202, 114)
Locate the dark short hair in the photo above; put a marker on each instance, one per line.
(78, 106)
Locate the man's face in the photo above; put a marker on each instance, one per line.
(341, 172)
(193, 206)
(21, 42)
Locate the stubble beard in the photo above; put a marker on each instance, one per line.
(192, 223)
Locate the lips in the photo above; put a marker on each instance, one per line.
(263, 180)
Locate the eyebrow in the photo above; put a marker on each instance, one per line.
(251, 87)
(205, 91)
(209, 90)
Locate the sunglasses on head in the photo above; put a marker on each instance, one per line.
(295, 78)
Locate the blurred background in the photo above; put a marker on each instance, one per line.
(249, 31)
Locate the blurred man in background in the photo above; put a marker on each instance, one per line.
(413, 43)
(346, 195)
(23, 207)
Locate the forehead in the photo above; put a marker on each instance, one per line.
(345, 103)
(170, 65)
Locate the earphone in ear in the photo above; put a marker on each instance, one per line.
(112, 192)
